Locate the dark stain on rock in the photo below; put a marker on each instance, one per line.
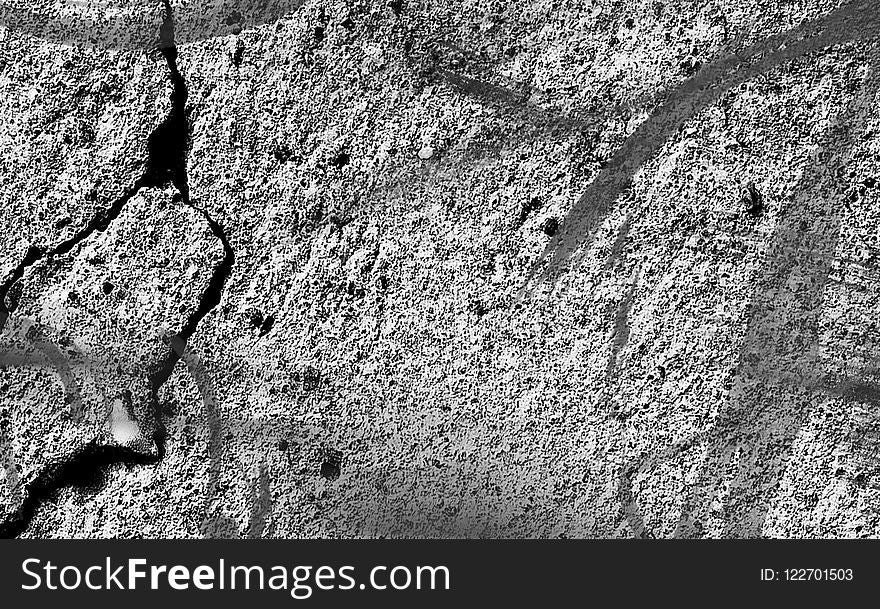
(478, 308)
(255, 318)
(341, 160)
(528, 207)
(238, 54)
(752, 200)
(267, 325)
(282, 153)
(338, 223)
(331, 468)
(691, 66)
(311, 379)
(354, 290)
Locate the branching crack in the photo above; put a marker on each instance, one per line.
(165, 164)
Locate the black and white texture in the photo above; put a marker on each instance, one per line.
(439, 268)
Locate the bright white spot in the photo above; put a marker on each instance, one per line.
(124, 430)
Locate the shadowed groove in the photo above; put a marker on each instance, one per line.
(756, 428)
(779, 356)
(857, 20)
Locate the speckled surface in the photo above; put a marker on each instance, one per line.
(522, 269)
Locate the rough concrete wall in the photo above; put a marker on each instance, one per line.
(483, 269)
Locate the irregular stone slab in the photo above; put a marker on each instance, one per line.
(398, 352)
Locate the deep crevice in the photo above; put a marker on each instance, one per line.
(84, 469)
(167, 149)
(167, 145)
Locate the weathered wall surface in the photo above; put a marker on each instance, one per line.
(526, 269)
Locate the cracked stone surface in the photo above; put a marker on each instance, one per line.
(440, 269)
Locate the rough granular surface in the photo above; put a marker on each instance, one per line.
(439, 268)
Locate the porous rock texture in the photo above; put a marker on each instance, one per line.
(440, 269)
